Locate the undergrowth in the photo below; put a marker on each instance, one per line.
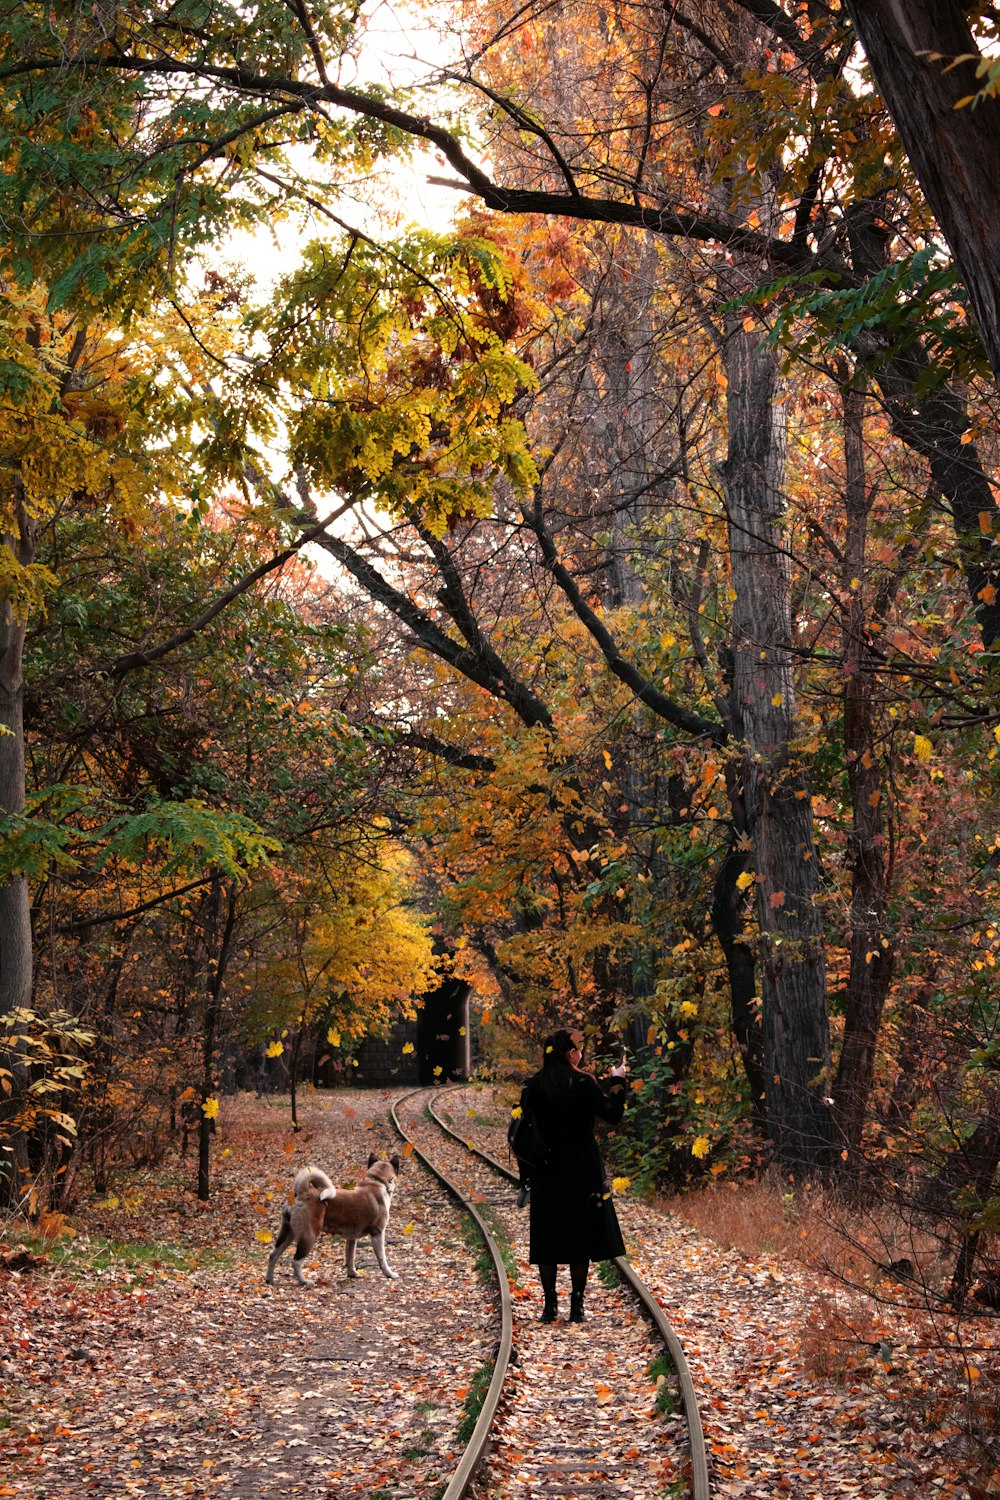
(474, 1242)
(663, 1375)
(473, 1403)
(608, 1274)
(94, 1253)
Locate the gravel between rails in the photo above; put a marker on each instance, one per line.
(579, 1420)
(170, 1382)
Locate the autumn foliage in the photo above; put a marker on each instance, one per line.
(596, 601)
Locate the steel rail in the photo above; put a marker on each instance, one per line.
(475, 1448)
(700, 1487)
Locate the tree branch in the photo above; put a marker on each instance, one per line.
(133, 660)
(661, 705)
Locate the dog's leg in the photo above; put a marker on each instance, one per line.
(304, 1242)
(280, 1244)
(378, 1245)
(352, 1273)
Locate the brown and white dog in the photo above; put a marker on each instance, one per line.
(351, 1212)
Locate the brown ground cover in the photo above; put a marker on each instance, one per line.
(819, 1377)
(143, 1355)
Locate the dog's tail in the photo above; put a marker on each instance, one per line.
(311, 1182)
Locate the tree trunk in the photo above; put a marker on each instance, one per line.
(15, 909)
(871, 949)
(933, 420)
(980, 1159)
(934, 424)
(727, 917)
(217, 964)
(293, 1074)
(953, 151)
(778, 807)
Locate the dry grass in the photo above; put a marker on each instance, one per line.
(881, 1300)
(872, 1247)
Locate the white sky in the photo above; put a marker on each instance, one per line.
(397, 40)
(401, 47)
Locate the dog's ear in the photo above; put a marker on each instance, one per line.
(397, 1164)
(373, 1158)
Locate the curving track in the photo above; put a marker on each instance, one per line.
(569, 1410)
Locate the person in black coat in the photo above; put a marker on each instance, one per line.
(573, 1219)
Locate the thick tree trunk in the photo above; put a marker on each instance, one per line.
(934, 424)
(933, 420)
(871, 947)
(778, 807)
(953, 151)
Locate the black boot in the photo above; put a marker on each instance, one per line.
(550, 1310)
(576, 1313)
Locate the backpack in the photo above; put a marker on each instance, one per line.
(525, 1140)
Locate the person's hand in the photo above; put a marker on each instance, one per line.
(620, 1071)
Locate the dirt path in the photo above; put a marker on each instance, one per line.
(195, 1379)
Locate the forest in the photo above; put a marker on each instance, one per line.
(590, 592)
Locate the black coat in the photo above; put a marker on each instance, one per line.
(572, 1215)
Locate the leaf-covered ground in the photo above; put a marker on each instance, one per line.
(145, 1356)
(885, 1424)
(176, 1371)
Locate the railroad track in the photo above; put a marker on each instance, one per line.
(571, 1411)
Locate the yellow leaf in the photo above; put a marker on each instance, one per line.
(407, 1048)
(333, 1036)
(701, 1146)
(274, 1049)
(745, 880)
(619, 1184)
(777, 700)
(922, 747)
(407, 1228)
(210, 1108)
(265, 1236)
(607, 759)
